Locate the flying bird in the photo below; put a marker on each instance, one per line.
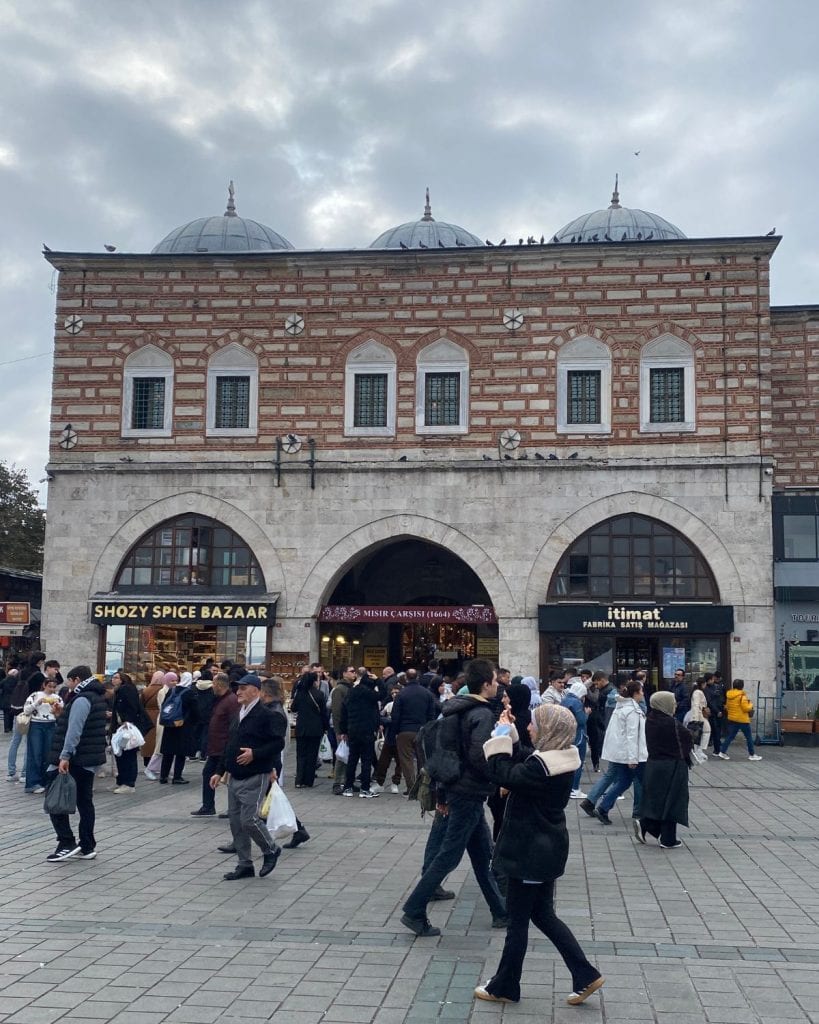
(771, 232)
(109, 248)
(636, 152)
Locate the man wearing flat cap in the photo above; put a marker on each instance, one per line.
(250, 752)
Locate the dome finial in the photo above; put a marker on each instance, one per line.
(427, 208)
(615, 196)
(231, 205)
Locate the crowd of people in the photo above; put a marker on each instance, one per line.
(520, 748)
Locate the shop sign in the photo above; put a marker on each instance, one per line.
(468, 615)
(172, 613)
(487, 647)
(639, 618)
(799, 617)
(15, 613)
(375, 658)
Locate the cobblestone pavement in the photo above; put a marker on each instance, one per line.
(723, 930)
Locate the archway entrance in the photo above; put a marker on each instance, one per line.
(634, 593)
(404, 603)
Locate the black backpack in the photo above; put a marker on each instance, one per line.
(440, 749)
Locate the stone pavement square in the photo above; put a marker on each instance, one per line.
(722, 931)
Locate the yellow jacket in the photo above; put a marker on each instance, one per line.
(738, 706)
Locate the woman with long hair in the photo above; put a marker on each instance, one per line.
(533, 846)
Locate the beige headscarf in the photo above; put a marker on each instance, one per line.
(556, 727)
(663, 700)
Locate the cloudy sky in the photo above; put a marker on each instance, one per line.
(122, 120)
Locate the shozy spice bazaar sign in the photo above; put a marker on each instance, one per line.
(107, 613)
(602, 618)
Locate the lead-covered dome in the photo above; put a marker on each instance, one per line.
(426, 233)
(617, 224)
(228, 233)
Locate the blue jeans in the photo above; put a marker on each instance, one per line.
(37, 750)
(16, 740)
(623, 778)
(733, 729)
(602, 784)
(466, 832)
(581, 750)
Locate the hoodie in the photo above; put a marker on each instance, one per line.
(477, 723)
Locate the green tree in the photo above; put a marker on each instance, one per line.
(22, 521)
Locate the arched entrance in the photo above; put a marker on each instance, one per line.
(403, 603)
(633, 593)
(189, 589)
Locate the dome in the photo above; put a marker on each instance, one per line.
(618, 224)
(426, 233)
(228, 233)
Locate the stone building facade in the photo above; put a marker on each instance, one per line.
(495, 407)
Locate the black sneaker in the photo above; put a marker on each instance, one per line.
(203, 812)
(500, 922)
(62, 853)
(602, 816)
(180, 782)
(420, 925)
(442, 894)
(299, 836)
(588, 807)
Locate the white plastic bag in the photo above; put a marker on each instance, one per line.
(281, 818)
(342, 752)
(325, 749)
(127, 737)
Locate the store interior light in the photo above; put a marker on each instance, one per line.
(341, 640)
(356, 643)
(325, 639)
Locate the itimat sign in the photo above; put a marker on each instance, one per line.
(182, 612)
(631, 618)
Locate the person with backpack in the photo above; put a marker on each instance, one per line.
(533, 846)
(174, 741)
(465, 725)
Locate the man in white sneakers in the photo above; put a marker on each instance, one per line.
(738, 711)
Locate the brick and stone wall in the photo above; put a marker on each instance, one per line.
(794, 373)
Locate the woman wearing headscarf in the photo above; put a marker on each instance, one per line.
(664, 803)
(535, 700)
(533, 846)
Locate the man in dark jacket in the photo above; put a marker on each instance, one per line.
(412, 708)
(682, 695)
(224, 710)
(360, 720)
(714, 691)
(338, 697)
(250, 753)
(462, 824)
(78, 749)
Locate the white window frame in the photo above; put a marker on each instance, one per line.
(442, 356)
(583, 354)
(233, 361)
(369, 358)
(148, 361)
(668, 353)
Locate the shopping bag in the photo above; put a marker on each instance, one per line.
(23, 721)
(281, 818)
(379, 746)
(325, 749)
(127, 737)
(342, 752)
(61, 795)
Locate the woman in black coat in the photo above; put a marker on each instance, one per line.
(127, 708)
(175, 734)
(533, 846)
(664, 800)
(310, 707)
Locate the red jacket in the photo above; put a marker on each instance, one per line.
(225, 709)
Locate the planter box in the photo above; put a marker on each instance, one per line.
(796, 724)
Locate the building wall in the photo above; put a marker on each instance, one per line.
(794, 370)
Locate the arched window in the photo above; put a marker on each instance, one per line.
(233, 392)
(147, 393)
(667, 399)
(442, 389)
(190, 551)
(369, 391)
(584, 387)
(633, 556)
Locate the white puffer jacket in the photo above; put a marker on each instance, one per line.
(625, 740)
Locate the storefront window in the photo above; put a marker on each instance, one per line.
(142, 650)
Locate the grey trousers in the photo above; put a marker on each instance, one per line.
(244, 799)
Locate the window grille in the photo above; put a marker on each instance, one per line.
(667, 404)
(370, 400)
(584, 396)
(442, 400)
(148, 403)
(232, 403)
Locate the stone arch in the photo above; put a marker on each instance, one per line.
(674, 330)
(409, 356)
(237, 338)
(691, 526)
(186, 503)
(583, 330)
(360, 339)
(334, 563)
(148, 339)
